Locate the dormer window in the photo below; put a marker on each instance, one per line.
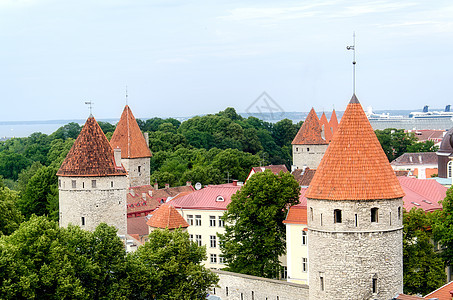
(220, 198)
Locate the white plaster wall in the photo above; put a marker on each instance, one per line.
(295, 251)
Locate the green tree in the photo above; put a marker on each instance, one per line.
(395, 142)
(426, 146)
(58, 150)
(70, 130)
(11, 164)
(254, 233)
(442, 227)
(11, 216)
(423, 267)
(169, 267)
(106, 127)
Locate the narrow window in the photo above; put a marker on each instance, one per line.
(374, 285)
(83, 221)
(390, 218)
(304, 238)
(374, 214)
(111, 183)
(304, 264)
(197, 220)
(213, 241)
(211, 221)
(226, 291)
(83, 185)
(321, 281)
(399, 213)
(253, 295)
(242, 296)
(93, 184)
(356, 220)
(190, 219)
(311, 213)
(74, 184)
(321, 219)
(214, 291)
(449, 168)
(59, 182)
(337, 216)
(297, 149)
(308, 149)
(191, 237)
(221, 222)
(139, 168)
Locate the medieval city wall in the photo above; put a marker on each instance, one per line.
(308, 155)
(135, 177)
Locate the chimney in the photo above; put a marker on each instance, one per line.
(144, 196)
(303, 169)
(188, 183)
(146, 136)
(132, 192)
(150, 193)
(167, 185)
(156, 186)
(117, 157)
(235, 182)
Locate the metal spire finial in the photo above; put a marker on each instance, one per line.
(126, 96)
(353, 62)
(90, 106)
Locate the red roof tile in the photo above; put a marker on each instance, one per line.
(129, 138)
(166, 216)
(214, 197)
(422, 193)
(296, 215)
(274, 168)
(137, 225)
(333, 122)
(325, 127)
(310, 131)
(304, 178)
(91, 154)
(408, 297)
(442, 293)
(354, 166)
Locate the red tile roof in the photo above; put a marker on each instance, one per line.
(422, 193)
(137, 225)
(129, 138)
(442, 293)
(304, 178)
(326, 127)
(354, 166)
(166, 216)
(408, 297)
(310, 131)
(212, 197)
(333, 122)
(91, 154)
(297, 214)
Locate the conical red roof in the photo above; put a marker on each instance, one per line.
(166, 216)
(310, 131)
(333, 122)
(354, 166)
(91, 154)
(129, 138)
(325, 125)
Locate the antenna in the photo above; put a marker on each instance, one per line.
(353, 61)
(126, 96)
(90, 106)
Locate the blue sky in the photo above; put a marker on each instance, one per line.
(181, 58)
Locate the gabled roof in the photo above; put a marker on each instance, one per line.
(310, 131)
(166, 216)
(422, 193)
(297, 214)
(129, 138)
(304, 177)
(408, 297)
(91, 154)
(354, 166)
(442, 293)
(212, 197)
(274, 168)
(420, 158)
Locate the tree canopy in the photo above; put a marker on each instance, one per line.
(254, 235)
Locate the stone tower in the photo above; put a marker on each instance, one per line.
(445, 155)
(355, 225)
(308, 145)
(135, 153)
(92, 182)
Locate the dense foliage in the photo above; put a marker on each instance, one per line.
(254, 235)
(442, 227)
(423, 267)
(42, 261)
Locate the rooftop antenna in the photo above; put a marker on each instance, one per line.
(353, 61)
(90, 106)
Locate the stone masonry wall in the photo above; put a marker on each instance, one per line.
(234, 286)
(309, 155)
(135, 177)
(348, 255)
(102, 203)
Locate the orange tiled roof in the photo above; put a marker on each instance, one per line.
(354, 166)
(129, 138)
(333, 122)
(326, 127)
(297, 214)
(310, 131)
(442, 293)
(166, 216)
(91, 154)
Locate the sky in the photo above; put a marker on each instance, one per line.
(183, 58)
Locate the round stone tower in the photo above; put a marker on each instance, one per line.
(445, 155)
(355, 217)
(308, 145)
(135, 153)
(92, 182)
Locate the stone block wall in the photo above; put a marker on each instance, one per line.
(309, 155)
(345, 259)
(89, 201)
(234, 286)
(136, 177)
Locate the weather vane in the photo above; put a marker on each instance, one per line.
(90, 106)
(353, 61)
